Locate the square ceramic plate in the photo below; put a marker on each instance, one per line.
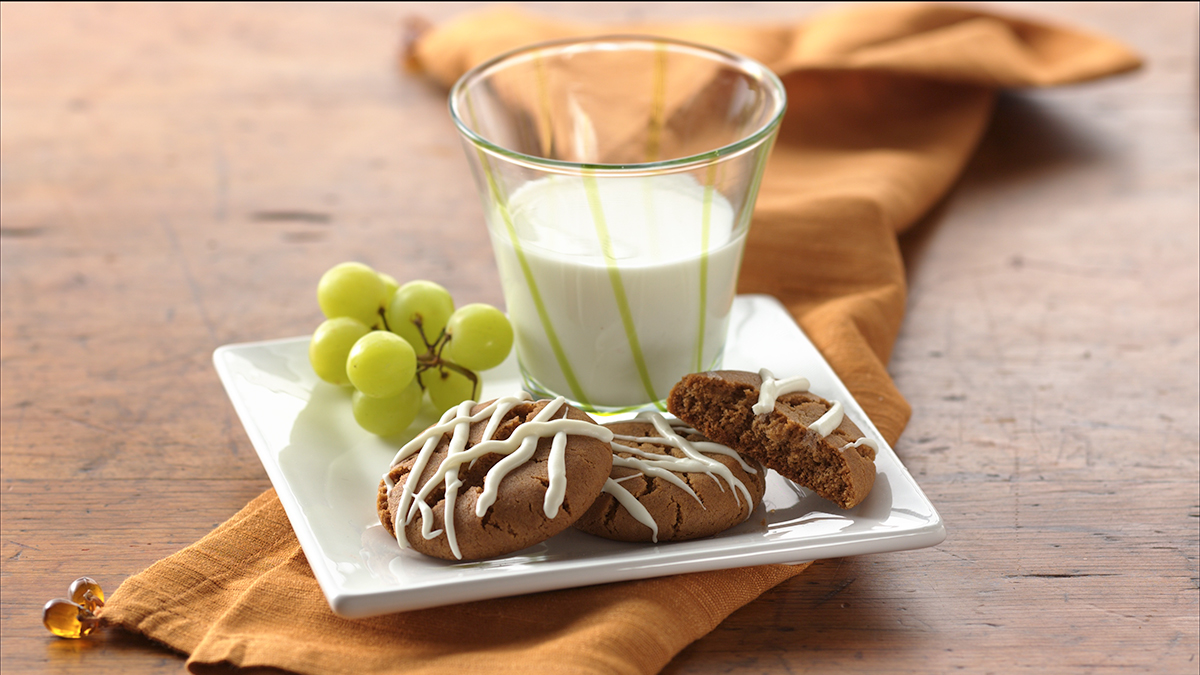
(326, 472)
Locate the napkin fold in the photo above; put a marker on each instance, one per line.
(885, 105)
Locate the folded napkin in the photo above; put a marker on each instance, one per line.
(885, 105)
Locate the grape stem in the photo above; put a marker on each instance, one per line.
(432, 358)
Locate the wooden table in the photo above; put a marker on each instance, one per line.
(176, 178)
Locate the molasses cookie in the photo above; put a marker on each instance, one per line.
(493, 478)
(800, 435)
(669, 483)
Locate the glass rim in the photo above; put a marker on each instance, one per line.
(743, 63)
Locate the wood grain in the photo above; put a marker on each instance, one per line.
(176, 178)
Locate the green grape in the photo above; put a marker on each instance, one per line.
(390, 285)
(330, 347)
(351, 289)
(387, 416)
(424, 302)
(448, 388)
(480, 337)
(381, 364)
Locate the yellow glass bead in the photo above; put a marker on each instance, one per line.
(85, 591)
(67, 619)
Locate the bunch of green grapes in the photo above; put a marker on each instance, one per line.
(393, 343)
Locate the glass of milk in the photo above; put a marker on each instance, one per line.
(618, 175)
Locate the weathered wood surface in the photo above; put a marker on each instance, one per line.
(176, 178)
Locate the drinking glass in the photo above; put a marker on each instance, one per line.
(618, 176)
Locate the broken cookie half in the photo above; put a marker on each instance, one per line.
(800, 435)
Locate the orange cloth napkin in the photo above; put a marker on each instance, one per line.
(886, 104)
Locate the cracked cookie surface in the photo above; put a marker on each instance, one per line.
(689, 505)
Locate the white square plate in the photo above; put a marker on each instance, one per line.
(326, 472)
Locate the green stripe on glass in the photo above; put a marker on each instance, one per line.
(618, 286)
(658, 103)
(545, 132)
(555, 346)
(710, 180)
(543, 316)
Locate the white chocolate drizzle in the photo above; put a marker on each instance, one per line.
(861, 442)
(632, 505)
(771, 389)
(829, 421)
(667, 467)
(517, 449)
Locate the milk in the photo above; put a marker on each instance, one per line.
(616, 287)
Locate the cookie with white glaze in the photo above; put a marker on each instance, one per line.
(669, 483)
(511, 473)
(800, 435)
